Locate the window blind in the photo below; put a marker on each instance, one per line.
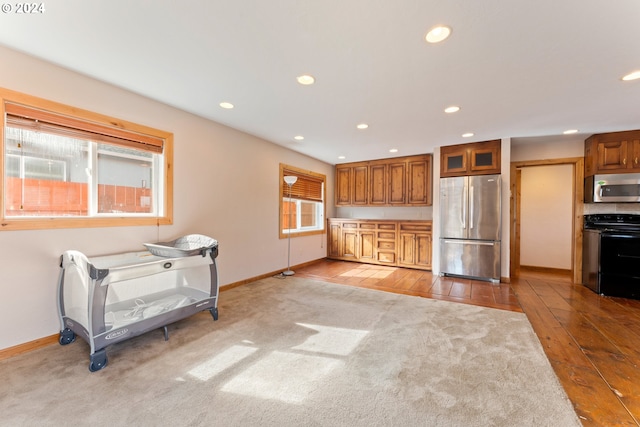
(29, 118)
(305, 188)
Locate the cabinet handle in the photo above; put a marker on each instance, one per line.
(636, 160)
(624, 161)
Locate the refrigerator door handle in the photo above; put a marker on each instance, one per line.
(464, 207)
(471, 209)
(469, 242)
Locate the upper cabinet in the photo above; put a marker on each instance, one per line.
(478, 158)
(615, 152)
(401, 181)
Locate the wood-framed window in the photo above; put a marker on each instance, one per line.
(63, 167)
(302, 207)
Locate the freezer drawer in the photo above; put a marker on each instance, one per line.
(470, 258)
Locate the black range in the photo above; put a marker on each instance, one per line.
(611, 254)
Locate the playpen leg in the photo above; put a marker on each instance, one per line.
(98, 360)
(214, 313)
(166, 333)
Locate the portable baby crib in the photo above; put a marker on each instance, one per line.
(108, 299)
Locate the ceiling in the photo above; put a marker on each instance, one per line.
(516, 68)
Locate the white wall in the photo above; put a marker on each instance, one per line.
(546, 216)
(225, 186)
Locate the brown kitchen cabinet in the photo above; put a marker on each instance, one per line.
(614, 152)
(415, 245)
(358, 241)
(383, 242)
(401, 181)
(478, 158)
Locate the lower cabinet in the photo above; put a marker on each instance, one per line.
(384, 242)
(415, 245)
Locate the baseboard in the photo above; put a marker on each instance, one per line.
(52, 339)
(534, 269)
(264, 276)
(28, 346)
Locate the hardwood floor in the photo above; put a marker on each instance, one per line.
(591, 341)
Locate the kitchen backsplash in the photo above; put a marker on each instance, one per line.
(602, 208)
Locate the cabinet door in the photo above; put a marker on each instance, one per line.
(397, 183)
(634, 158)
(378, 184)
(423, 250)
(360, 181)
(485, 157)
(407, 256)
(453, 161)
(366, 246)
(419, 182)
(343, 186)
(334, 235)
(349, 243)
(612, 156)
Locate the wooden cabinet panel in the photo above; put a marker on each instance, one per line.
(343, 186)
(335, 238)
(477, 158)
(419, 185)
(423, 250)
(360, 184)
(385, 242)
(615, 152)
(415, 245)
(367, 246)
(349, 243)
(378, 184)
(397, 183)
(402, 181)
(453, 162)
(612, 155)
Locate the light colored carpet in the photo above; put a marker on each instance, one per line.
(296, 352)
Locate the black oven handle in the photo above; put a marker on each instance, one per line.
(620, 235)
(629, 256)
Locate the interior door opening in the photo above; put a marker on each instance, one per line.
(575, 221)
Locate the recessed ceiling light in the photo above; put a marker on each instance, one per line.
(298, 137)
(341, 157)
(452, 109)
(467, 135)
(226, 105)
(570, 131)
(632, 76)
(362, 126)
(438, 34)
(306, 79)
(393, 150)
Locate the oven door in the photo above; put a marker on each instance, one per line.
(620, 264)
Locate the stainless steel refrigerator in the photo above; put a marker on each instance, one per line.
(470, 213)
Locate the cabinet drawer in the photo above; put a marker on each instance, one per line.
(386, 235)
(386, 257)
(386, 226)
(415, 227)
(367, 226)
(383, 244)
(350, 225)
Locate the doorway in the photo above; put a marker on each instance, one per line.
(517, 168)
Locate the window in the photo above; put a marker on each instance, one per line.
(302, 206)
(65, 167)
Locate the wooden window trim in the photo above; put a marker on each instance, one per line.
(283, 191)
(15, 102)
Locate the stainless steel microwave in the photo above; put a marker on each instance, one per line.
(612, 188)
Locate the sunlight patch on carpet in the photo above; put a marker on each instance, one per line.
(331, 340)
(286, 377)
(212, 367)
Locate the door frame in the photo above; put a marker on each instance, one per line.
(577, 212)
